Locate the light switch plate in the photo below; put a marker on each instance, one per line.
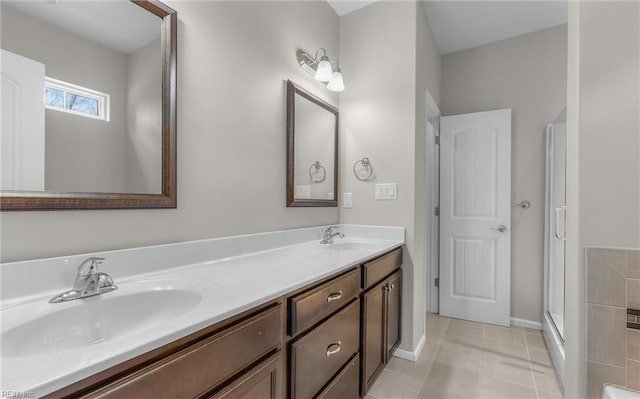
(386, 191)
(347, 200)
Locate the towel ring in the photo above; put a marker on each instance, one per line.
(314, 176)
(366, 164)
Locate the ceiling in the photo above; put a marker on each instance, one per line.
(460, 25)
(120, 25)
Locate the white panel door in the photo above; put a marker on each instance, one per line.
(475, 216)
(22, 124)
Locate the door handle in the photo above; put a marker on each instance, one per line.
(334, 297)
(334, 348)
(557, 224)
(502, 228)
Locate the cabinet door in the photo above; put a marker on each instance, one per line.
(261, 382)
(394, 309)
(373, 331)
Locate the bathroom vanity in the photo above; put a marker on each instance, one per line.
(295, 321)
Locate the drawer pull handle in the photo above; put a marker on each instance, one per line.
(334, 348)
(334, 297)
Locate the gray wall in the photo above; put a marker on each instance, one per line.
(603, 164)
(81, 154)
(384, 71)
(528, 74)
(144, 120)
(233, 59)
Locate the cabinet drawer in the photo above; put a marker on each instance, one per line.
(264, 381)
(377, 269)
(318, 355)
(346, 385)
(203, 365)
(312, 306)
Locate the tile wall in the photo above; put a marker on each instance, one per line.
(613, 350)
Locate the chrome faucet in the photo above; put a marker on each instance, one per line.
(88, 282)
(329, 233)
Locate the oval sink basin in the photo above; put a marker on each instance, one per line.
(84, 322)
(350, 246)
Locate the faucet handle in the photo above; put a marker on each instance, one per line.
(330, 229)
(89, 266)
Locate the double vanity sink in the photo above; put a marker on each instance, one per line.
(49, 346)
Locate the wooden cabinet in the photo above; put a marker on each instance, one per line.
(346, 384)
(311, 306)
(261, 382)
(331, 342)
(393, 311)
(381, 307)
(200, 365)
(318, 355)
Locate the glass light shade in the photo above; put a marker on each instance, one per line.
(323, 72)
(336, 83)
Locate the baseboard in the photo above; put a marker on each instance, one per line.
(409, 355)
(534, 325)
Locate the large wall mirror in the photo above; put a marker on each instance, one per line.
(312, 149)
(88, 105)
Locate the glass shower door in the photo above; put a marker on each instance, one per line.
(556, 223)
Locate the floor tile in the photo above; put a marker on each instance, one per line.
(507, 368)
(546, 380)
(463, 354)
(516, 350)
(535, 341)
(548, 395)
(506, 334)
(492, 388)
(395, 385)
(468, 360)
(444, 381)
(464, 327)
(417, 369)
(539, 358)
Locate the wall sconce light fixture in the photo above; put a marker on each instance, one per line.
(321, 69)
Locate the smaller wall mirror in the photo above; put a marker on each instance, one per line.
(312, 148)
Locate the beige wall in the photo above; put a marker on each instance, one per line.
(379, 55)
(144, 120)
(603, 164)
(81, 154)
(527, 74)
(233, 59)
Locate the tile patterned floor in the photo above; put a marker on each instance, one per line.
(467, 360)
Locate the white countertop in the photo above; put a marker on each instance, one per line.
(228, 286)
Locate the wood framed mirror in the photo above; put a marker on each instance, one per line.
(312, 149)
(104, 136)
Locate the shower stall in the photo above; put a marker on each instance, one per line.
(555, 245)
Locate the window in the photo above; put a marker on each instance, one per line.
(77, 100)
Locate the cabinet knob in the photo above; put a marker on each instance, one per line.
(334, 297)
(334, 348)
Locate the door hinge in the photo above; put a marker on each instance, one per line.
(437, 211)
(437, 282)
(437, 140)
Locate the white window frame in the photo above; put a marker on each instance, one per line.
(103, 99)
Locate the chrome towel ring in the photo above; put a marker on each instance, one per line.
(315, 173)
(368, 168)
